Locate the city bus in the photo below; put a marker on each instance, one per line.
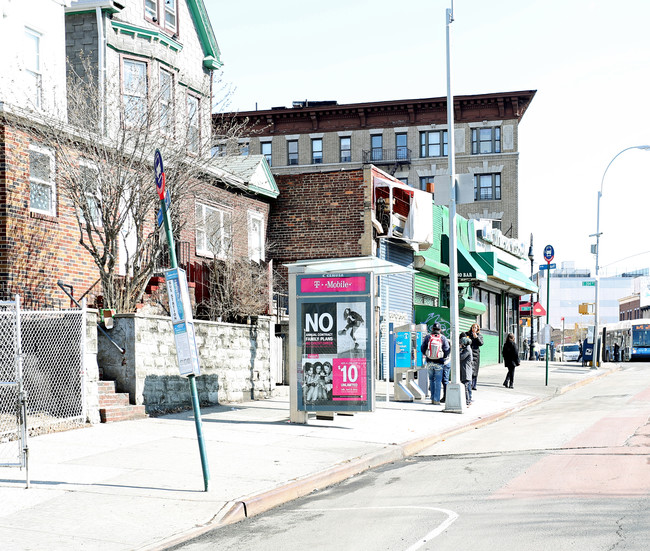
(632, 337)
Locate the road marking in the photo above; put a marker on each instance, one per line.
(451, 518)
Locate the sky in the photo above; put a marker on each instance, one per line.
(589, 61)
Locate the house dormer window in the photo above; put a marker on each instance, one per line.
(163, 13)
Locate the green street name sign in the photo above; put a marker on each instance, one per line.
(588, 283)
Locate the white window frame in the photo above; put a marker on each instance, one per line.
(203, 214)
(268, 154)
(33, 65)
(167, 9)
(166, 103)
(256, 250)
(51, 184)
(193, 124)
(137, 93)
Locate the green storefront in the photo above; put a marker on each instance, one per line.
(489, 284)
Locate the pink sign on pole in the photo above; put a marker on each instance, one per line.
(333, 284)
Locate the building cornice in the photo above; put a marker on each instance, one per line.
(386, 114)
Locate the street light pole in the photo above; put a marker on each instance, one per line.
(531, 356)
(596, 356)
(455, 399)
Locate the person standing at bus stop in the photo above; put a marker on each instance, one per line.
(477, 342)
(436, 365)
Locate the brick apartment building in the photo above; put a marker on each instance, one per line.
(406, 138)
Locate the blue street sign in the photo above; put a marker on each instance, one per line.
(547, 266)
(549, 253)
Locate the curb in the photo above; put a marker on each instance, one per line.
(246, 507)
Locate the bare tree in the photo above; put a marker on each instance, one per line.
(105, 170)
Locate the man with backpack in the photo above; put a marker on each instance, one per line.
(436, 350)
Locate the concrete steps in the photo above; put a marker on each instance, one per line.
(115, 406)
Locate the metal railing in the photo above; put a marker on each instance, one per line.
(397, 155)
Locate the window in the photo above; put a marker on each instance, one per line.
(193, 128)
(433, 144)
(424, 180)
(292, 152)
(404, 180)
(32, 60)
(42, 190)
(213, 231)
(487, 187)
(89, 176)
(255, 237)
(401, 151)
(219, 150)
(486, 140)
(376, 147)
(266, 151)
(317, 151)
(166, 102)
(134, 92)
(168, 8)
(488, 319)
(243, 149)
(345, 147)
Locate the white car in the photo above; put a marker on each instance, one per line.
(568, 353)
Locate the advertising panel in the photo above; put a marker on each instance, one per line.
(180, 310)
(334, 343)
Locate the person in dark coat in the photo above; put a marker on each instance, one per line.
(477, 342)
(466, 365)
(510, 359)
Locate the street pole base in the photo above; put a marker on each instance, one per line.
(455, 398)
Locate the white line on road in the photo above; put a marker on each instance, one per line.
(451, 518)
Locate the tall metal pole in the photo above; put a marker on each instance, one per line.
(596, 356)
(531, 355)
(194, 394)
(455, 399)
(548, 304)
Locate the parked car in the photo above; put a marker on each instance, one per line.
(568, 353)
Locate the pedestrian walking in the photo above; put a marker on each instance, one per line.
(477, 342)
(436, 349)
(510, 359)
(466, 365)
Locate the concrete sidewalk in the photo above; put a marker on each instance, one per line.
(139, 484)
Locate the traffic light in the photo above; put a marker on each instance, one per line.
(583, 308)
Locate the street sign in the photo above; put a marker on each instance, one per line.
(549, 253)
(160, 174)
(588, 283)
(547, 266)
(168, 202)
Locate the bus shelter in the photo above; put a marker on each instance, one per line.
(333, 328)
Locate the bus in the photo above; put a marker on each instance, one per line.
(632, 337)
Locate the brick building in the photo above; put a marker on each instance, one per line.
(406, 138)
(155, 58)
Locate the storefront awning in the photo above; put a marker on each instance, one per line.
(468, 268)
(498, 272)
(425, 264)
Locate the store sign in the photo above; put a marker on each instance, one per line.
(496, 238)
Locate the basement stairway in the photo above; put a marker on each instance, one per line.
(115, 406)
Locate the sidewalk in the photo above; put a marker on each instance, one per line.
(139, 484)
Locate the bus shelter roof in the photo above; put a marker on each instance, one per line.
(348, 265)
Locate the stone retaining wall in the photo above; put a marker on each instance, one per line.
(235, 362)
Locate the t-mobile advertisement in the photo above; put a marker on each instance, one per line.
(334, 363)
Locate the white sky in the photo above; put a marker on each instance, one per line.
(589, 61)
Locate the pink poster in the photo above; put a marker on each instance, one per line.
(355, 284)
(349, 379)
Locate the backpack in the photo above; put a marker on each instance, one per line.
(434, 348)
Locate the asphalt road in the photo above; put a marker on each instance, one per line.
(570, 473)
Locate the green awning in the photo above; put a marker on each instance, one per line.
(425, 264)
(501, 273)
(468, 268)
(471, 307)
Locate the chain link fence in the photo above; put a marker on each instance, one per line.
(42, 359)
